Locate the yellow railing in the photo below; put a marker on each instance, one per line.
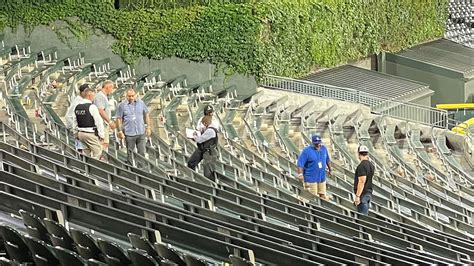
(455, 106)
(461, 128)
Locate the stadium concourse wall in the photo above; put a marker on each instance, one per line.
(98, 45)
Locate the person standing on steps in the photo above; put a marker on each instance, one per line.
(196, 157)
(71, 115)
(102, 102)
(206, 148)
(312, 164)
(88, 126)
(133, 123)
(363, 181)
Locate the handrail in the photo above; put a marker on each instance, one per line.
(398, 109)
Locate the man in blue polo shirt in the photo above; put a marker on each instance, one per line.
(312, 164)
(133, 123)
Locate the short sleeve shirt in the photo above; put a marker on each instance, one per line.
(102, 102)
(367, 169)
(132, 115)
(314, 163)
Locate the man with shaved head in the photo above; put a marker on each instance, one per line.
(133, 123)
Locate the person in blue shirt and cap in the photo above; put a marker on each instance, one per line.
(312, 164)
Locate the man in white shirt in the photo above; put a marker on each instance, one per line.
(88, 125)
(70, 115)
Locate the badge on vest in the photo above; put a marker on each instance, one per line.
(320, 165)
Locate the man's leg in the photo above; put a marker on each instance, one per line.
(209, 159)
(105, 142)
(141, 149)
(85, 148)
(195, 159)
(322, 190)
(93, 144)
(364, 204)
(311, 187)
(131, 142)
(79, 145)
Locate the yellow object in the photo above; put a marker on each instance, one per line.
(460, 129)
(454, 106)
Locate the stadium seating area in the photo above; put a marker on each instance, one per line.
(460, 24)
(76, 210)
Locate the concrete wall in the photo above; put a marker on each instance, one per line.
(469, 90)
(98, 45)
(446, 89)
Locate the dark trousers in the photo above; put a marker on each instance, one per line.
(138, 141)
(364, 205)
(195, 159)
(208, 159)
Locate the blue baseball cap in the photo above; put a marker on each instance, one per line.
(316, 139)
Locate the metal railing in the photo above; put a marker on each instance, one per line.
(398, 109)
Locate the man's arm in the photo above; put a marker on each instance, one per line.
(103, 115)
(360, 188)
(328, 162)
(99, 123)
(70, 115)
(74, 125)
(147, 124)
(360, 185)
(207, 135)
(300, 164)
(119, 121)
(101, 105)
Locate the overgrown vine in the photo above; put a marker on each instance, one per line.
(281, 37)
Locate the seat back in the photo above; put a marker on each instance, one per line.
(14, 244)
(42, 252)
(192, 261)
(142, 243)
(168, 253)
(67, 257)
(6, 262)
(113, 250)
(93, 262)
(166, 262)
(58, 235)
(34, 226)
(86, 246)
(112, 261)
(238, 261)
(141, 258)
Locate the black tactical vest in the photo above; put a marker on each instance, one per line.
(83, 116)
(210, 143)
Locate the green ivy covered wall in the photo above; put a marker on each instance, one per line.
(280, 37)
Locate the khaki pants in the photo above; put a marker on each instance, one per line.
(93, 146)
(316, 188)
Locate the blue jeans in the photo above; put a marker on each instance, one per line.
(364, 204)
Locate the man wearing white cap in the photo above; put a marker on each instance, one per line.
(312, 164)
(363, 181)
